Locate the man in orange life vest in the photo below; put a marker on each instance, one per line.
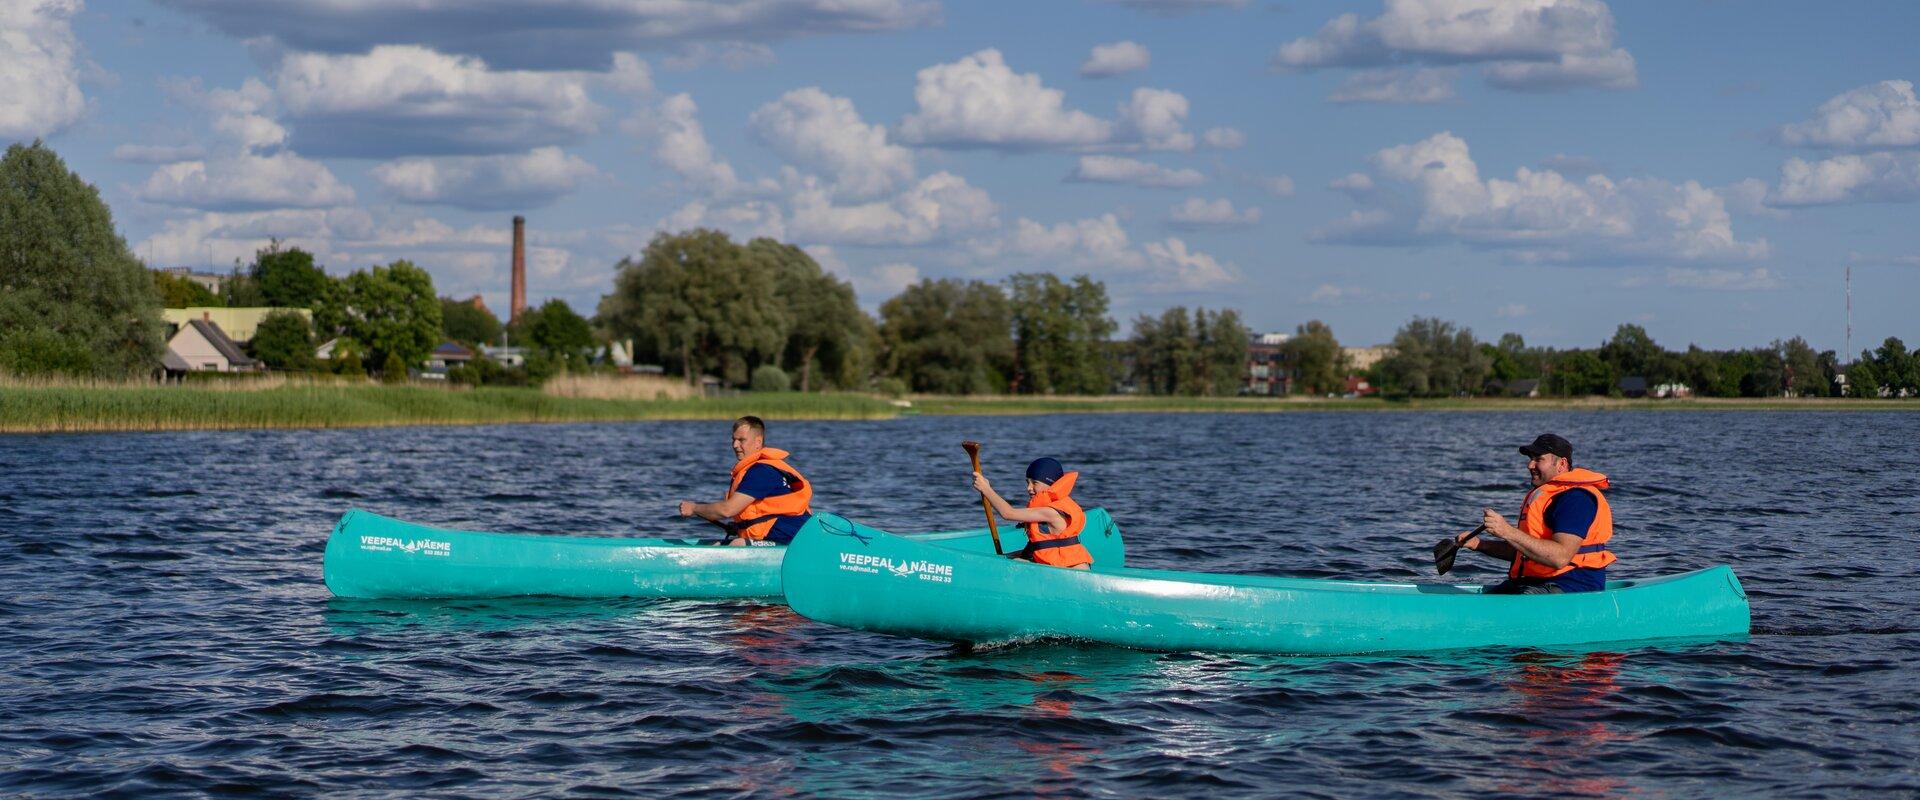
(1560, 544)
(767, 502)
(1052, 519)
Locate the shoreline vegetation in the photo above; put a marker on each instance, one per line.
(282, 403)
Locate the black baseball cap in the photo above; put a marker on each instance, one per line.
(1548, 443)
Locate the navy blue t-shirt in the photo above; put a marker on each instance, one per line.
(763, 481)
(1572, 512)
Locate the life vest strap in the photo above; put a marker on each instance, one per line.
(1049, 544)
(1592, 548)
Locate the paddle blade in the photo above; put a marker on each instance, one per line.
(1444, 553)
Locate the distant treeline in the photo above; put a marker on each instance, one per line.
(765, 315)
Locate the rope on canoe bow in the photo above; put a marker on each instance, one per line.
(849, 530)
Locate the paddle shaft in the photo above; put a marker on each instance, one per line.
(973, 449)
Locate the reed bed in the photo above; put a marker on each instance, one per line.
(620, 387)
(49, 409)
(1146, 404)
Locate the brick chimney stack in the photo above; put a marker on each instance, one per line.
(519, 268)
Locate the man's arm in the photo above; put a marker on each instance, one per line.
(717, 511)
(1556, 552)
(1492, 547)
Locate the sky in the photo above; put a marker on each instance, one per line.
(1553, 168)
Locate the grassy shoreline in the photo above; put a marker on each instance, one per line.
(214, 406)
(69, 409)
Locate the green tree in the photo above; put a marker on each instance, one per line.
(241, 289)
(1632, 352)
(393, 311)
(1862, 380)
(1897, 369)
(393, 369)
(462, 321)
(73, 299)
(554, 329)
(1222, 348)
(699, 302)
(288, 278)
(1163, 351)
(1578, 373)
(1433, 358)
(284, 340)
(1319, 365)
(1710, 373)
(1804, 376)
(948, 337)
(827, 328)
(769, 378)
(1060, 332)
(178, 291)
(1190, 353)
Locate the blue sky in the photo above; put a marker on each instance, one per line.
(1546, 167)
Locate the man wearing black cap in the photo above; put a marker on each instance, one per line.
(1560, 543)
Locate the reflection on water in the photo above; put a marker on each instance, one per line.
(165, 629)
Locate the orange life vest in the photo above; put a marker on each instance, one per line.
(1593, 552)
(754, 521)
(1059, 548)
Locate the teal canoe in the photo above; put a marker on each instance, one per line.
(854, 576)
(371, 556)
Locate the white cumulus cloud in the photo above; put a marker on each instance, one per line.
(486, 183)
(680, 144)
(244, 181)
(1116, 169)
(39, 68)
(1892, 177)
(1118, 58)
(1526, 45)
(552, 34)
(1224, 138)
(937, 208)
(825, 134)
(979, 101)
(1154, 118)
(1431, 191)
(1196, 214)
(1878, 115)
(409, 100)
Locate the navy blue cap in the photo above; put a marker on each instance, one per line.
(1045, 470)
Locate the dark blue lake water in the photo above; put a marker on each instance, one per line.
(164, 628)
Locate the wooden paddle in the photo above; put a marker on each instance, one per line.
(973, 449)
(1449, 547)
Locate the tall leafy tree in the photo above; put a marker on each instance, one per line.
(1222, 348)
(1433, 358)
(555, 329)
(182, 292)
(1319, 365)
(1803, 376)
(1631, 352)
(288, 277)
(73, 299)
(284, 340)
(1578, 373)
(828, 328)
(700, 302)
(1897, 369)
(948, 337)
(469, 324)
(1191, 353)
(1060, 333)
(393, 312)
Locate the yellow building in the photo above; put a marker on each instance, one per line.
(239, 323)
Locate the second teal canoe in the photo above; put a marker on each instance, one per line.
(857, 577)
(371, 556)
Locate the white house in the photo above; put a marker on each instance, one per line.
(203, 347)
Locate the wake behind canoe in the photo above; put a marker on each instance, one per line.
(860, 578)
(371, 556)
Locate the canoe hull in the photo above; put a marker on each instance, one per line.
(371, 556)
(888, 584)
